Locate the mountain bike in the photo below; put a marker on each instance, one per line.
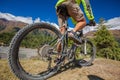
(34, 55)
(33, 51)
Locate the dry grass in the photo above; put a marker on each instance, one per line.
(102, 69)
(5, 73)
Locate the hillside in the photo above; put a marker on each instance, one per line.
(8, 25)
(115, 33)
(102, 69)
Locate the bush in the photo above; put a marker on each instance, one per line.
(107, 46)
(6, 37)
(105, 52)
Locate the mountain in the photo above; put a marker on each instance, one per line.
(12, 17)
(115, 33)
(8, 25)
(9, 21)
(112, 24)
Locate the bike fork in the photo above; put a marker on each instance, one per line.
(85, 47)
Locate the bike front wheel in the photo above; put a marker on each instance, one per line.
(33, 51)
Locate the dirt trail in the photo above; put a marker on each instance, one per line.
(102, 69)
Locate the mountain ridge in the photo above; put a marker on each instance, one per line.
(9, 21)
(8, 25)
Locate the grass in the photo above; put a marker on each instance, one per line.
(32, 66)
(5, 72)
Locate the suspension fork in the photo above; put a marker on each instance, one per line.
(85, 47)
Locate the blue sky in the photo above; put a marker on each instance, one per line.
(45, 9)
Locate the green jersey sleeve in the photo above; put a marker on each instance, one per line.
(87, 9)
(78, 2)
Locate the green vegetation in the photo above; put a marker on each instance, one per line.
(32, 40)
(106, 44)
(6, 37)
(36, 38)
(2, 27)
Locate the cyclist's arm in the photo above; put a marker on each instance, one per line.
(87, 9)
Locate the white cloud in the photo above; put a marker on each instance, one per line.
(115, 28)
(37, 20)
(24, 19)
(9, 16)
(113, 23)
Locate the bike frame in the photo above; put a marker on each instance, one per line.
(64, 41)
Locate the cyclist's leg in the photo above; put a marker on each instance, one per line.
(61, 21)
(76, 13)
(80, 25)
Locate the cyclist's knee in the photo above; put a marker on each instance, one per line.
(62, 29)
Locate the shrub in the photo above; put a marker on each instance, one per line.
(107, 46)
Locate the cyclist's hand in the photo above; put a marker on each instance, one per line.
(92, 23)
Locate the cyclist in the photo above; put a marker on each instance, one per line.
(71, 7)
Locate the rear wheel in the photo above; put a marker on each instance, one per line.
(85, 53)
(38, 38)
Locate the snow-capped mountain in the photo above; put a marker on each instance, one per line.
(27, 20)
(112, 24)
(9, 21)
(11, 17)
